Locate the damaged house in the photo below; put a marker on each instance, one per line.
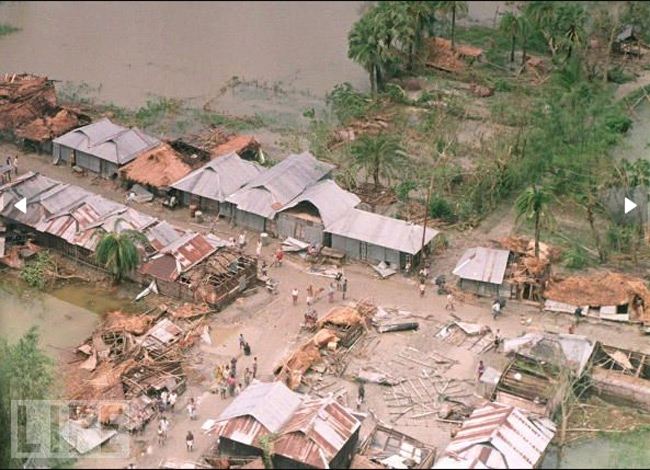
(376, 238)
(622, 376)
(102, 147)
(306, 432)
(607, 296)
(215, 142)
(256, 204)
(537, 378)
(319, 206)
(482, 271)
(72, 221)
(210, 185)
(29, 111)
(499, 436)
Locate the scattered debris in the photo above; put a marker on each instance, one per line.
(383, 270)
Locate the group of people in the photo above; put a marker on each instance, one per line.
(168, 399)
(226, 375)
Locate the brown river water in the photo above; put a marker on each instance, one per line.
(132, 50)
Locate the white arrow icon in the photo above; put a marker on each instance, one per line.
(629, 205)
(22, 205)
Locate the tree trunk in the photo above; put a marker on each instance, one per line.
(453, 27)
(590, 217)
(537, 234)
(523, 52)
(379, 79)
(373, 83)
(512, 48)
(375, 173)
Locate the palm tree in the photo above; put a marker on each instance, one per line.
(419, 17)
(455, 8)
(118, 253)
(378, 155)
(364, 49)
(573, 19)
(510, 25)
(533, 203)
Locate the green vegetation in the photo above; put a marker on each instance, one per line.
(348, 104)
(118, 252)
(378, 155)
(533, 204)
(6, 28)
(35, 272)
(26, 373)
(439, 208)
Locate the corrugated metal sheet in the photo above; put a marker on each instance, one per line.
(272, 404)
(189, 250)
(498, 436)
(219, 178)
(483, 264)
(162, 234)
(316, 432)
(381, 231)
(281, 183)
(108, 141)
(331, 201)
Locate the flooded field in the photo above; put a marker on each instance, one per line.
(130, 51)
(64, 316)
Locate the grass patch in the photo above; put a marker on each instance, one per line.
(6, 28)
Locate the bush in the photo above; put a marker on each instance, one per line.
(440, 208)
(35, 273)
(502, 85)
(619, 123)
(618, 76)
(576, 258)
(403, 189)
(347, 103)
(397, 94)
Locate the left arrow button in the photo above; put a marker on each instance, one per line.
(22, 205)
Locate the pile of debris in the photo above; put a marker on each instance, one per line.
(326, 352)
(442, 56)
(215, 142)
(373, 196)
(529, 273)
(373, 125)
(29, 109)
(386, 447)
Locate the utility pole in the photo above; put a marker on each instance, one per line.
(426, 217)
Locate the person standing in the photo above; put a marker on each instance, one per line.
(237, 389)
(233, 366)
(163, 398)
(481, 369)
(172, 400)
(189, 441)
(496, 309)
(191, 409)
(241, 241)
(247, 377)
(247, 349)
(255, 367)
(279, 255)
(450, 303)
(294, 296)
(258, 248)
(223, 388)
(16, 165)
(330, 292)
(497, 340)
(231, 386)
(344, 287)
(242, 341)
(422, 288)
(361, 395)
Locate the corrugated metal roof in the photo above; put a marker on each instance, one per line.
(498, 436)
(281, 183)
(219, 178)
(270, 403)
(162, 234)
(381, 231)
(108, 141)
(331, 201)
(189, 250)
(316, 432)
(483, 264)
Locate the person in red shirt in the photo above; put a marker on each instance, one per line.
(279, 255)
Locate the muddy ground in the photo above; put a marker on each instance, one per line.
(272, 326)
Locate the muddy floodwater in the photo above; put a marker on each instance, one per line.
(64, 316)
(133, 50)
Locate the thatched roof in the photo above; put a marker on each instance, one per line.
(47, 128)
(601, 289)
(23, 98)
(158, 167)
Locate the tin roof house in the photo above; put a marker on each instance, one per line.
(102, 147)
(256, 204)
(482, 271)
(309, 432)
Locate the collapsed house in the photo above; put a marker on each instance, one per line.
(29, 110)
(393, 449)
(101, 147)
(542, 369)
(620, 375)
(319, 206)
(156, 169)
(210, 185)
(482, 271)
(528, 274)
(306, 432)
(215, 142)
(498, 436)
(256, 204)
(72, 221)
(606, 296)
(376, 238)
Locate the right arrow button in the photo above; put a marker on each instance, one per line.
(629, 205)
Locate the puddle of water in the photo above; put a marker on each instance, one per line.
(615, 451)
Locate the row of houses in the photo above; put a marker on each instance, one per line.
(295, 198)
(72, 220)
